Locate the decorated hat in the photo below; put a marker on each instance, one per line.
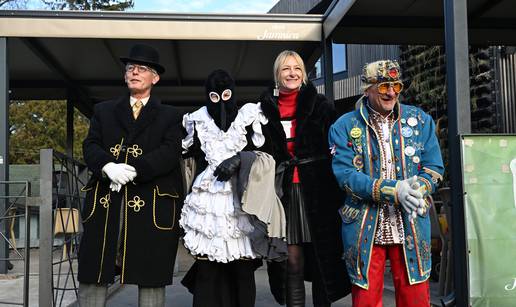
(380, 71)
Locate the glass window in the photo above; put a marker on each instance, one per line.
(339, 58)
(339, 62)
(318, 69)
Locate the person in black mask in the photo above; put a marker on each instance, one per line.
(214, 224)
(221, 104)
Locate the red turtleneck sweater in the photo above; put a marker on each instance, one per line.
(287, 104)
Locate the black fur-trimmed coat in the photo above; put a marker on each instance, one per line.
(314, 116)
(151, 205)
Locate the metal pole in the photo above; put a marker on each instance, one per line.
(4, 149)
(69, 125)
(26, 269)
(46, 231)
(327, 66)
(68, 175)
(459, 122)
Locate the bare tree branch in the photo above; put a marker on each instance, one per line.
(13, 4)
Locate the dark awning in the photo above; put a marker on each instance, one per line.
(490, 22)
(59, 55)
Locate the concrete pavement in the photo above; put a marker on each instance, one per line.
(178, 296)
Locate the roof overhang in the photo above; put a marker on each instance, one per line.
(121, 25)
(75, 55)
(490, 22)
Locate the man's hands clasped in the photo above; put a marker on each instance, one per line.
(410, 197)
(119, 174)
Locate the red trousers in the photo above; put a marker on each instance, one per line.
(417, 295)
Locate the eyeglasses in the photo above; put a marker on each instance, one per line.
(226, 94)
(139, 68)
(384, 87)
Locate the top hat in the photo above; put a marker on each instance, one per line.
(145, 55)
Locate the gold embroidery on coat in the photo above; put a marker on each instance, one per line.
(103, 244)
(166, 194)
(115, 150)
(104, 201)
(135, 150)
(156, 191)
(122, 274)
(86, 189)
(137, 203)
(94, 203)
(125, 233)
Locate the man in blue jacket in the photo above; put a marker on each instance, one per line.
(386, 156)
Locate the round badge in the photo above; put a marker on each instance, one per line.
(403, 121)
(356, 133)
(415, 159)
(407, 131)
(358, 162)
(410, 151)
(412, 121)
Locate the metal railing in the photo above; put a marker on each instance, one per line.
(16, 210)
(60, 227)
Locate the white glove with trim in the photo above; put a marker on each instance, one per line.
(119, 173)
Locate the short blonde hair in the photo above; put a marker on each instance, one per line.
(282, 58)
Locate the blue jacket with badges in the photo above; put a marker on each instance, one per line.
(357, 165)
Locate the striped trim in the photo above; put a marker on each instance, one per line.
(376, 189)
(435, 175)
(427, 183)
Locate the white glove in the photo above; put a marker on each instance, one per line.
(421, 208)
(120, 173)
(115, 187)
(407, 196)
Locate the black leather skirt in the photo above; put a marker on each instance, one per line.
(297, 224)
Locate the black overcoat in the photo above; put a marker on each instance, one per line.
(314, 116)
(148, 209)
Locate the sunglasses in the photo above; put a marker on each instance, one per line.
(384, 87)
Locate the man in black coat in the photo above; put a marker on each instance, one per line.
(134, 197)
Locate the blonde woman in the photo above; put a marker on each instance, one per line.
(299, 120)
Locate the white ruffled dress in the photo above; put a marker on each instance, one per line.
(213, 225)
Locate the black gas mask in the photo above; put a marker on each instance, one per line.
(220, 101)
